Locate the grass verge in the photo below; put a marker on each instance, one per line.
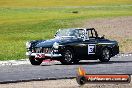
(18, 25)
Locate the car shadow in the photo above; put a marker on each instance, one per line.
(90, 63)
(110, 62)
(47, 64)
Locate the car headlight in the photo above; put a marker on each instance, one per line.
(56, 45)
(28, 44)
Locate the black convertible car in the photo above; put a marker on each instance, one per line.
(72, 45)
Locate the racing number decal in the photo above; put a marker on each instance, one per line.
(91, 48)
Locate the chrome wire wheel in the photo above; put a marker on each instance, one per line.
(68, 56)
(105, 56)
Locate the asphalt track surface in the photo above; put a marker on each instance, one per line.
(54, 70)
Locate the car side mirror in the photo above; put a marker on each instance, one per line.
(55, 35)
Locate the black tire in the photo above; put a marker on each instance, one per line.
(81, 80)
(67, 56)
(105, 55)
(76, 61)
(35, 61)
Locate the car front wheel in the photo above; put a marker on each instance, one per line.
(105, 55)
(67, 56)
(35, 61)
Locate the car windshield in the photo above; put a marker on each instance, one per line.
(69, 33)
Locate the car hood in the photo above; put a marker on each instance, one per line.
(49, 43)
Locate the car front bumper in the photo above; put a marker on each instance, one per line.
(43, 55)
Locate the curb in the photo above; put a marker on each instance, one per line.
(39, 79)
(124, 54)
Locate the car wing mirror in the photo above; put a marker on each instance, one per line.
(55, 35)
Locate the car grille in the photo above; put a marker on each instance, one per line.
(43, 50)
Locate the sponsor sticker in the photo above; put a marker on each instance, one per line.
(83, 78)
(91, 48)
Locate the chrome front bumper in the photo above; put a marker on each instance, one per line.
(41, 55)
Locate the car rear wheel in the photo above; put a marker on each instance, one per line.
(105, 55)
(67, 56)
(35, 61)
(76, 61)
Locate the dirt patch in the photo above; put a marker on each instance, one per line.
(64, 83)
(119, 28)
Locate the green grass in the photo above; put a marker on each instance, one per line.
(19, 24)
(56, 3)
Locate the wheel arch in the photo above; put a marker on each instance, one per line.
(71, 47)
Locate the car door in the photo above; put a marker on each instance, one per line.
(89, 50)
(90, 47)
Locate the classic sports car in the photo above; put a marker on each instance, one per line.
(72, 45)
